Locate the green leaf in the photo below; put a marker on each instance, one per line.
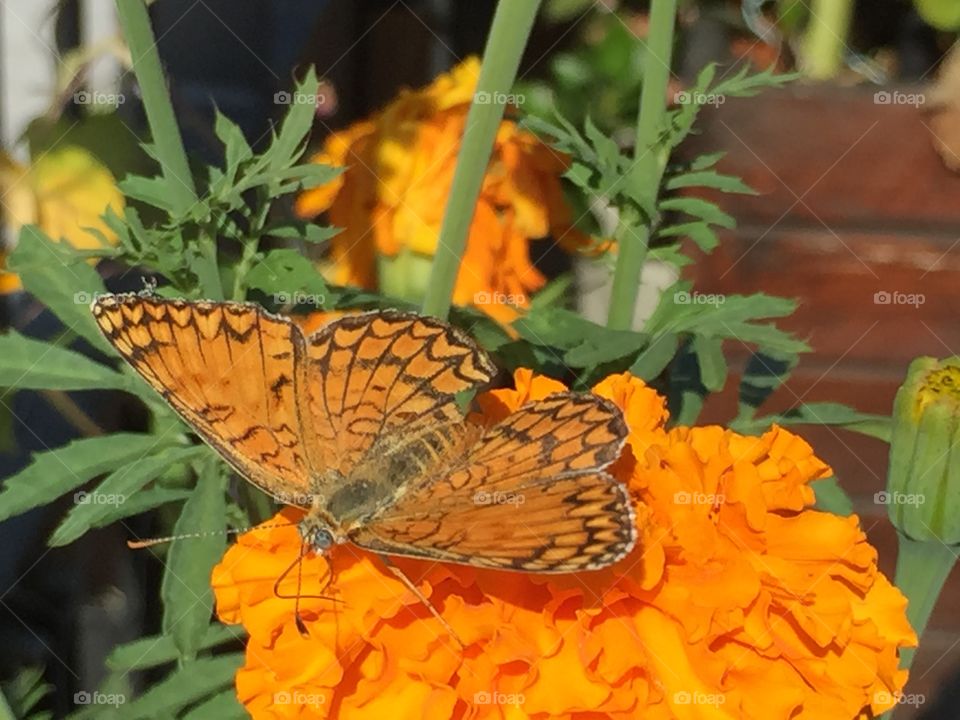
(764, 373)
(223, 706)
(655, 357)
(610, 346)
(189, 684)
(185, 589)
(713, 363)
(108, 501)
(700, 232)
(53, 274)
(310, 175)
(709, 179)
(286, 272)
(290, 141)
(703, 209)
(308, 232)
(831, 497)
(56, 472)
(23, 693)
(154, 191)
(235, 145)
(827, 413)
(30, 364)
(149, 652)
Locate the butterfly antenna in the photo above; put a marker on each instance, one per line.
(402, 577)
(150, 542)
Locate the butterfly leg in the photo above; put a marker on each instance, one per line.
(402, 577)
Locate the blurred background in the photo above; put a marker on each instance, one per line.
(857, 216)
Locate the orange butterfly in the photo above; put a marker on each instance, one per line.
(358, 424)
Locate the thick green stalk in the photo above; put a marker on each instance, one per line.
(135, 22)
(156, 102)
(922, 569)
(633, 231)
(511, 27)
(826, 39)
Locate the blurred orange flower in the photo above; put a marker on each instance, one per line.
(740, 601)
(390, 199)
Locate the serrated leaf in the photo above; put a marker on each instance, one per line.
(107, 502)
(29, 364)
(56, 472)
(696, 207)
(713, 363)
(764, 373)
(291, 139)
(154, 191)
(306, 231)
(187, 685)
(150, 652)
(709, 179)
(185, 588)
(827, 413)
(612, 345)
(235, 146)
(53, 274)
(700, 232)
(310, 175)
(831, 497)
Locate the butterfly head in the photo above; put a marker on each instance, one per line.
(317, 534)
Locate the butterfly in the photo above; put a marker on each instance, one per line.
(358, 424)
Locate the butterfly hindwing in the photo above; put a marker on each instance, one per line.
(529, 495)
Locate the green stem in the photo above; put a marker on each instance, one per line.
(633, 230)
(156, 102)
(826, 38)
(922, 569)
(135, 22)
(511, 27)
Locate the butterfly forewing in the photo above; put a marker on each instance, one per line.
(230, 370)
(530, 495)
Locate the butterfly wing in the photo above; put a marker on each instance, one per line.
(381, 379)
(530, 495)
(231, 371)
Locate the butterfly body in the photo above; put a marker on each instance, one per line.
(358, 424)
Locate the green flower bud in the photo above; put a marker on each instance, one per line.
(923, 485)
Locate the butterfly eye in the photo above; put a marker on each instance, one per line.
(318, 538)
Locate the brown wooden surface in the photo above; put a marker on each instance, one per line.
(854, 201)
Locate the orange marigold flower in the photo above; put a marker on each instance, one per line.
(740, 601)
(391, 197)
